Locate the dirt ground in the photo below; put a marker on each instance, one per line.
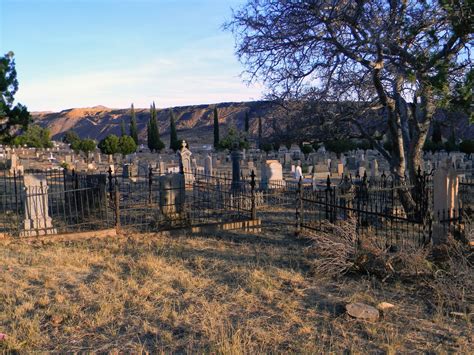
(226, 293)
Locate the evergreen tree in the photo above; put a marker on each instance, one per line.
(123, 132)
(12, 117)
(148, 134)
(174, 142)
(127, 145)
(247, 123)
(437, 136)
(133, 125)
(153, 134)
(216, 129)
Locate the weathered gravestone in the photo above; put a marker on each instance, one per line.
(172, 195)
(208, 166)
(298, 173)
(236, 157)
(445, 199)
(184, 155)
(272, 174)
(37, 220)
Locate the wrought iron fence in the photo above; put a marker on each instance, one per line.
(53, 206)
(156, 202)
(380, 208)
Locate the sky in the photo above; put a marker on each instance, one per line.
(83, 53)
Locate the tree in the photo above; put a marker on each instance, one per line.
(12, 117)
(110, 145)
(216, 129)
(247, 122)
(154, 142)
(436, 135)
(34, 136)
(86, 146)
(70, 137)
(339, 146)
(450, 144)
(398, 61)
(133, 125)
(174, 141)
(123, 132)
(260, 129)
(234, 137)
(306, 149)
(127, 145)
(467, 146)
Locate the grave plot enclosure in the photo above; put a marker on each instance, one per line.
(53, 202)
(42, 203)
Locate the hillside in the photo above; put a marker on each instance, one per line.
(195, 122)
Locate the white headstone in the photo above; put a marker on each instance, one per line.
(298, 173)
(37, 220)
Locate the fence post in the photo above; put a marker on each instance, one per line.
(117, 205)
(299, 207)
(445, 200)
(252, 189)
(150, 182)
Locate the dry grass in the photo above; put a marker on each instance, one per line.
(227, 294)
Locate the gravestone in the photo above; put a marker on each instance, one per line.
(374, 168)
(298, 173)
(126, 171)
(13, 163)
(272, 173)
(37, 220)
(236, 157)
(208, 166)
(340, 169)
(172, 195)
(184, 155)
(445, 198)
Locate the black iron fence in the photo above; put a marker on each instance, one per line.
(59, 202)
(153, 202)
(65, 202)
(399, 212)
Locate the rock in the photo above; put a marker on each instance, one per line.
(384, 306)
(362, 311)
(56, 319)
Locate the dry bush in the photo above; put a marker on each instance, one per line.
(333, 249)
(453, 281)
(339, 248)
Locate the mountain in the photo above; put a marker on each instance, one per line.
(194, 123)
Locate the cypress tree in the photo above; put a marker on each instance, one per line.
(216, 129)
(155, 143)
(247, 123)
(174, 142)
(149, 130)
(122, 129)
(259, 132)
(133, 125)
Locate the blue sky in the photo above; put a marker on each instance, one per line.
(80, 53)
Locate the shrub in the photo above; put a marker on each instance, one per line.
(35, 137)
(306, 149)
(467, 146)
(340, 146)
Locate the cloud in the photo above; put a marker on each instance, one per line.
(205, 72)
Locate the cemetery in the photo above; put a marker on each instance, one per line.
(237, 177)
(149, 192)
